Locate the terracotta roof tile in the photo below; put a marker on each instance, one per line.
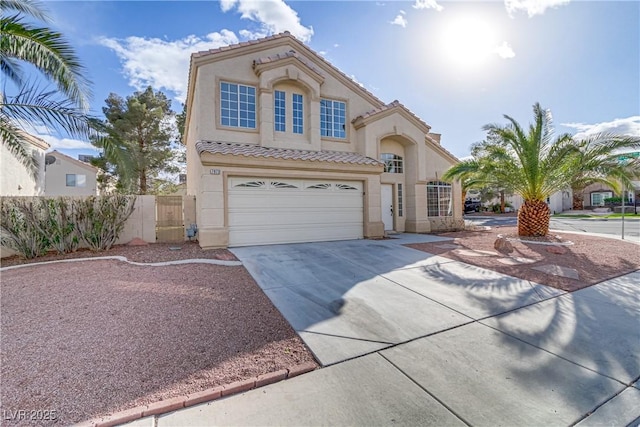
(389, 106)
(250, 150)
(285, 55)
(279, 36)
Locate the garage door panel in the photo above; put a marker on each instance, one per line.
(265, 235)
(269, 211)
(278, 218)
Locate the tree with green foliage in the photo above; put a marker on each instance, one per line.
(478, 173)
(598, 160)
(141, 126)
(535, 164)
(61, 109)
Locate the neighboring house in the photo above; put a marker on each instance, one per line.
(15, 178)
(594, 195)
(66, 176)
(283, 147)
(558, 202)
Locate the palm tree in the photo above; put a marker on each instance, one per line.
(62, 109)
(535, 164)
(478, 172)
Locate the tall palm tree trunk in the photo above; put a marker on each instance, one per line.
(533, 218)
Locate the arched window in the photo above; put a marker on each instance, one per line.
(392, 163)
(439, 199)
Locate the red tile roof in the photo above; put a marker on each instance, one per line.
(250, 150)
(390, 106)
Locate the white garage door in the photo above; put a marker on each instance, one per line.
(268, 210)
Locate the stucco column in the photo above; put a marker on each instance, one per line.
(416, 211)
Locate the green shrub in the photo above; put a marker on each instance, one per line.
(20, 226)
(33, 225)
(100, 220)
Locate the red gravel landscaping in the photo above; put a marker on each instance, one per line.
(594, 258)
(88, 338)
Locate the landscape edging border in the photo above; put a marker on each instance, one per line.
(208, 395)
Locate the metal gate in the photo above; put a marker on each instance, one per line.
(169, 219)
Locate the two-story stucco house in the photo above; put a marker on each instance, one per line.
(283, 147)
(66, 176)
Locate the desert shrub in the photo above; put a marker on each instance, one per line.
(59, 223)
(100, 220)
(33, 225)
(21, 226)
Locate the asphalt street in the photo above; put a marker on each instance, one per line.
(585, 225)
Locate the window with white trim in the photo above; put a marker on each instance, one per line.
(279, 111)
(75, 180)
(298, 113)
(237, 105)
(333, 116)
(400, 207)
(439, 199)
(392, 163)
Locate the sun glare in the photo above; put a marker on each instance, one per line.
(468, 41)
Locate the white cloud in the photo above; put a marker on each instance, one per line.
(66, 143)
(160, 63)
(400, 20)
(505, 51)
(427, 4)
(532, 7)
(273, 16)
(164, 64)
(625, 126)
(43, 132)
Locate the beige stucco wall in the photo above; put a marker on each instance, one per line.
(56, 177)
(392, 130)
(15, 179)
(212, 215)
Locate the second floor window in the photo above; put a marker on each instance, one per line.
(237, 105)
(333, 115)
(298, 114)
(392, 163)
(75, 180)
(279, 111)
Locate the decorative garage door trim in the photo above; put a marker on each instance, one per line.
(279, 210)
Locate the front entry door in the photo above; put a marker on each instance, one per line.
(387, 206)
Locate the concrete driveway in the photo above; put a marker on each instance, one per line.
(351, 298)
(408, 338)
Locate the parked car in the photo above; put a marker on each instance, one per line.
(472, 206)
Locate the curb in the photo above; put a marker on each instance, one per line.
(125, 259)
(211, 394)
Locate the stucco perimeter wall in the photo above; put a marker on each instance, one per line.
(213, 230)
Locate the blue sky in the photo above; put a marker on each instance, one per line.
(457, 65)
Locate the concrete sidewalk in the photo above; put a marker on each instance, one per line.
(408, 338)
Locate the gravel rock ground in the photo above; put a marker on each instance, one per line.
(594, 258)
(91, 338)
(155, 252)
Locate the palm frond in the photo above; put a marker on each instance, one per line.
(49, 52)
(31, 8)
(31, 105)
(15, 140)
